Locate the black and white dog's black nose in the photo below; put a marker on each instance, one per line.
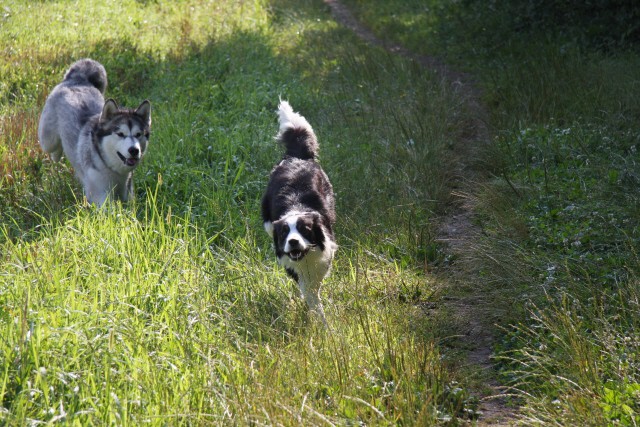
(134, 151)
(294, 243)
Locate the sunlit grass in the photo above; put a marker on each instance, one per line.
(109, 317)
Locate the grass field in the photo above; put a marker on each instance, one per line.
(171, 310)
(560, 215)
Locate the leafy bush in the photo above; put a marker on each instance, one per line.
(599, 22)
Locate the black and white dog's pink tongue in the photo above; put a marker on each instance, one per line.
(131, 161)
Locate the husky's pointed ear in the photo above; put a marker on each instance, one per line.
(144, 111)
(109, 110)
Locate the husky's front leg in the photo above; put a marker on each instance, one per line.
(95, 189)
(126, 190)
(98, 199)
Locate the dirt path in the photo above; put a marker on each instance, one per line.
(472, 311)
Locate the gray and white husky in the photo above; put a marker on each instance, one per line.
(103, 142)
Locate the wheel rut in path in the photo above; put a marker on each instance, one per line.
(456, 230)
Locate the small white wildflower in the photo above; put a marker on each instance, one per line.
(115, 398)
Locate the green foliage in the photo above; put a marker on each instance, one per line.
(600, 22)
(582, 205)
(579, 204)
(622, 406)
(471, 28)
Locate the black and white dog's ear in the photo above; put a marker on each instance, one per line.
(144, 111)
(276, 230)
(276, 240)
(109, 110)
(268, 227)
(319, 230)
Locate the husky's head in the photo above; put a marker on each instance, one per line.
(123, 135)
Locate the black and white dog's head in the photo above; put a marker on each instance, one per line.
(297, 234)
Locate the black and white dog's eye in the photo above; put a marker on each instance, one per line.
(137, 135)
(120, 134)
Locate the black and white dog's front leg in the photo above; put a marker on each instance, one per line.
(311, 294)
(310, 272)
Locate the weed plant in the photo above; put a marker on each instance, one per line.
(171, 309)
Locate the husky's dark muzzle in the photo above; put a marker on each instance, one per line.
(134, 159)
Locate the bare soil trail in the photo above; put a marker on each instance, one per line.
(470, 310)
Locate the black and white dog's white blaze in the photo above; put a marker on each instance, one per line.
(298, 208)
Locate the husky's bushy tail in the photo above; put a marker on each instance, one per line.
(87, 72)
(296, 134)
(84, 82)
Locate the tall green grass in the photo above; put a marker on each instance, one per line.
(560, 216)
(171, 309)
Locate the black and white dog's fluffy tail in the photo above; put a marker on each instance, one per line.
(296, 134)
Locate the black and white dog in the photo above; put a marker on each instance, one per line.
(298, 208)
